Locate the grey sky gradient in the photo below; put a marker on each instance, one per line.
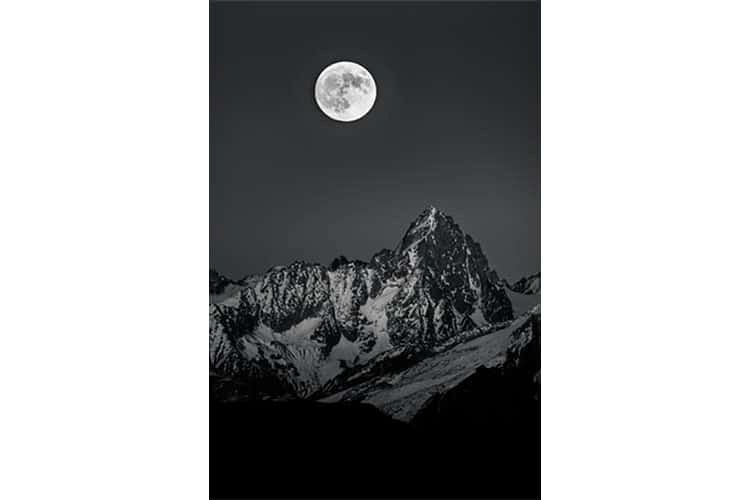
(455, 125)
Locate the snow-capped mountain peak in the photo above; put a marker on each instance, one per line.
(305, 323)
(430, 221)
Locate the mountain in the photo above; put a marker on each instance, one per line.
(529, 285)
(296, 328)
(400, 385)
(479, 429)
(524, 293)
(500, 407)
(517, 374)
(220, 286)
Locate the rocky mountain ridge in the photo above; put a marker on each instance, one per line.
(297, 327)
(528, 285)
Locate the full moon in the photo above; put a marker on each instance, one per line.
(345, 91)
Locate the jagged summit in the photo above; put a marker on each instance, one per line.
(430, 209)
(430, 221)
(431, 212)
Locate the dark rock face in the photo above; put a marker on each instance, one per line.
(288, 295)
(528, 285)
(448, 285)
(308, 322)
(218, 283)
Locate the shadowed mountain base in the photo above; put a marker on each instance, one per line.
(481, 440)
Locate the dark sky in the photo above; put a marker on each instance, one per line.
(455, 125)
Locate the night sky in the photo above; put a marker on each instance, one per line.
(455, 125)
